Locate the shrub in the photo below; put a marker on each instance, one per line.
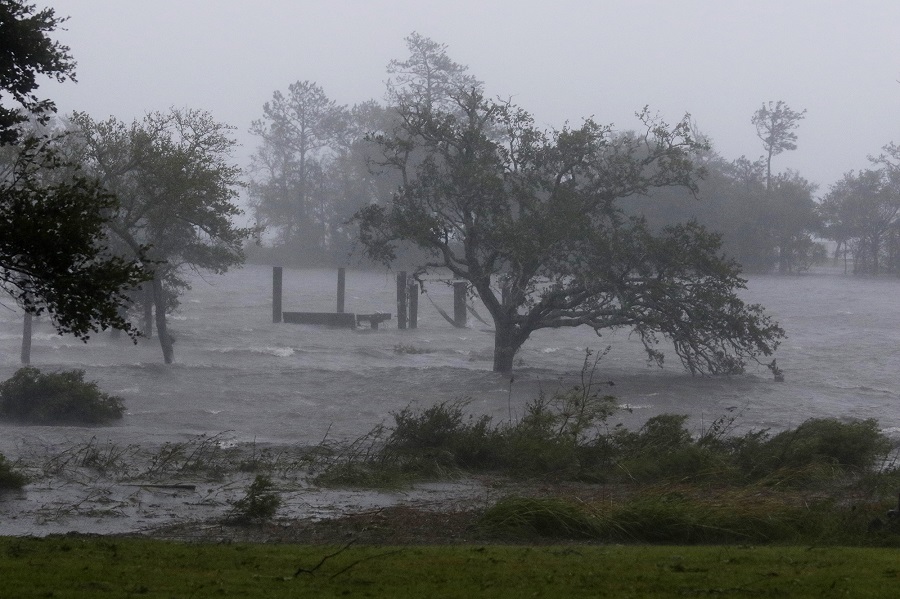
(854, 445)
(663, 449)
(58, 397)
(259, 504)
(10, 478)
(818, 448)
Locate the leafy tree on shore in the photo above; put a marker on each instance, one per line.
(27, 51)
(177, 190)
(534, 222)
(54, 253)
(862, 213)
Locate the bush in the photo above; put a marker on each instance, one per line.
(259, 504)
(663, 449)
(58, 397)
(818, 448)
(9, 478)
(853, 445)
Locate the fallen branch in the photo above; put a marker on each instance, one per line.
(365, 559)
(302, 570)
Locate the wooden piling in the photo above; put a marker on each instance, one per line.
(401, 300)
(459, 304)
(276, 293)
(342, 277)
(413, 304)
(26, 339)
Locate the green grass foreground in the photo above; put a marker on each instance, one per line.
(73, 566)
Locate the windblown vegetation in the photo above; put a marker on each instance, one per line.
(10, 477)
(824, 482)
(566, 437)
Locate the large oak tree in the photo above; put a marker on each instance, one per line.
(533, 220)
(177, 189)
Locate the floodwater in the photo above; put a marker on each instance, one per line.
(280, 384)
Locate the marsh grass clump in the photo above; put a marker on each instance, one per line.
(260, 503)
(688, 515)
(56, 398)
(10, 478)
(533, 517)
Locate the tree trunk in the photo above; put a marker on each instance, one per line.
(165, 341)
(505, 347)
(148, 310)
(26, 339)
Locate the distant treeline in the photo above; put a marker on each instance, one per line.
(318, 163)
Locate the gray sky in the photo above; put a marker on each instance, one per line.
(564, 60)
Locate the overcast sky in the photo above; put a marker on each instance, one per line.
(716, 59)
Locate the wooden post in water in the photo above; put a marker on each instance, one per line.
(276, 293)
(413, 304)
(342, 278)
(459, 303)
(401, 299)
(26, 339)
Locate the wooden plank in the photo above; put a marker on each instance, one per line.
(346, 320)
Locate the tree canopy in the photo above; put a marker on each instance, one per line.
(28, 51)
(861, 212)
(177, 191)
(54, 252)
(534, 221)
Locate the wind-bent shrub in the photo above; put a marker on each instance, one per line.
(9, 478)
(56, 398)
(259, 504)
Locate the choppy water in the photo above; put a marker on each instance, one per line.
(279, 383)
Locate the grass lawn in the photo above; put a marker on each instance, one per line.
(73, 566)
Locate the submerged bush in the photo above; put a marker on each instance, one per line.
(57, 397)
(10, 478)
